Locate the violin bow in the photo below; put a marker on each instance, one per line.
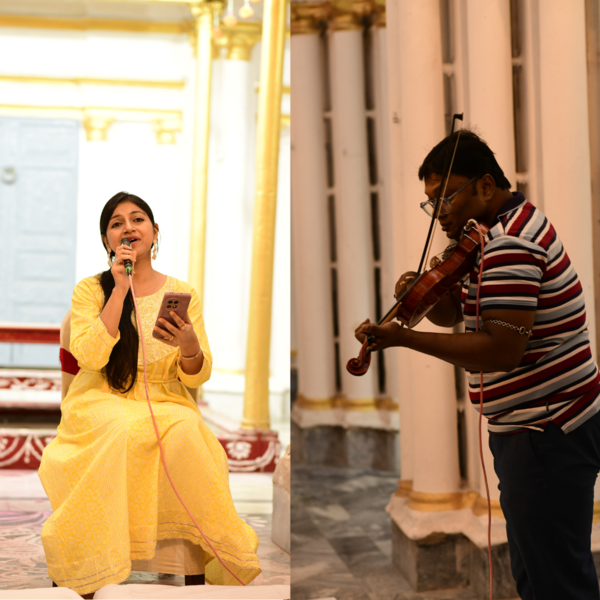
(360, 365)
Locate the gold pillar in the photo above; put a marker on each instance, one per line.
(256, 396)
(204, 14)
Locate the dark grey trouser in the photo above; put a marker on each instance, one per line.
(547, 496)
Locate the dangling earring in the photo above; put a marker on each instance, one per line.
(155, 251)
(109, 260)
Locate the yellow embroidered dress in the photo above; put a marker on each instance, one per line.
(111, 498)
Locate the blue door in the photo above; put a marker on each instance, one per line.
(38, 205)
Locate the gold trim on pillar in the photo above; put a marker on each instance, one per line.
(314, 403)
(258, 349)
(596, 518)
(480, 507)
(428, 502)
(348, 14)
(204, 13)
(85, 24)
(239, 40)
(405, 487)
(308, 16)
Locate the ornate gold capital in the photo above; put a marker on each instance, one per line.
(165, 130)
(306, 16)
(239, 40)
(96, 128)
(380, 11)
(204, 18)
(348, 14)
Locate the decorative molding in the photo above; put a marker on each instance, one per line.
(380, 12)
(87, 24)
(256, 451)
(239, 40)
(166, 128)
(348, 15)
(22, 448)
(96, 127)
(308, 17)
(171, 85)
(97, 120)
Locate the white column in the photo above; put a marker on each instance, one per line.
(565, 137)
(352, 212)
(312, 272)
(399, 369)
(224, 308)
(489, 76)
(388, 278)
(420, 121)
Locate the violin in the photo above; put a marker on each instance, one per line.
(428, 287)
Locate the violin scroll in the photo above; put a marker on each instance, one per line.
(360, 365)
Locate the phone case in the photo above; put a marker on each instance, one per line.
(177, 302)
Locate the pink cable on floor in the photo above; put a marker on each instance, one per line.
(162, 454)
(487, 489)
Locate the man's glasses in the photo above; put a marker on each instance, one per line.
(429, 205)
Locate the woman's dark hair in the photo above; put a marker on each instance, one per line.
(473, 159)
(121, 370)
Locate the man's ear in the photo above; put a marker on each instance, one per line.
(487, 186)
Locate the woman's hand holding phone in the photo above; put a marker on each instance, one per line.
(182, 334)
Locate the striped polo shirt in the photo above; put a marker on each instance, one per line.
(526, 268)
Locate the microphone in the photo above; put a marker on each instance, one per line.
(128, 264)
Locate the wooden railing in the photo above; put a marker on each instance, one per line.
(29, 333)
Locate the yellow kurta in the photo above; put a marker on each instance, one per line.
(111, 498)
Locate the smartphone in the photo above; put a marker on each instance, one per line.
(177, 302)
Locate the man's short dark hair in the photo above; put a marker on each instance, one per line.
(473, 159)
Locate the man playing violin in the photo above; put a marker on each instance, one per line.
(541, 386)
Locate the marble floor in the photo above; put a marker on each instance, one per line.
(341, 538)
(24, 508)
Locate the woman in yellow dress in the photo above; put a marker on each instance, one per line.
(111, 498)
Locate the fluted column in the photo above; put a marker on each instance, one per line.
(489, 74)
(417, 123)
(204, 14)
(352, 193)
(566, 171)
(256, 396)
(388, 272)
(312, 272)
(487, 68)
(230, 173)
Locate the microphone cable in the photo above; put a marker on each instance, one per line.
(487, 489)
(162, 454)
